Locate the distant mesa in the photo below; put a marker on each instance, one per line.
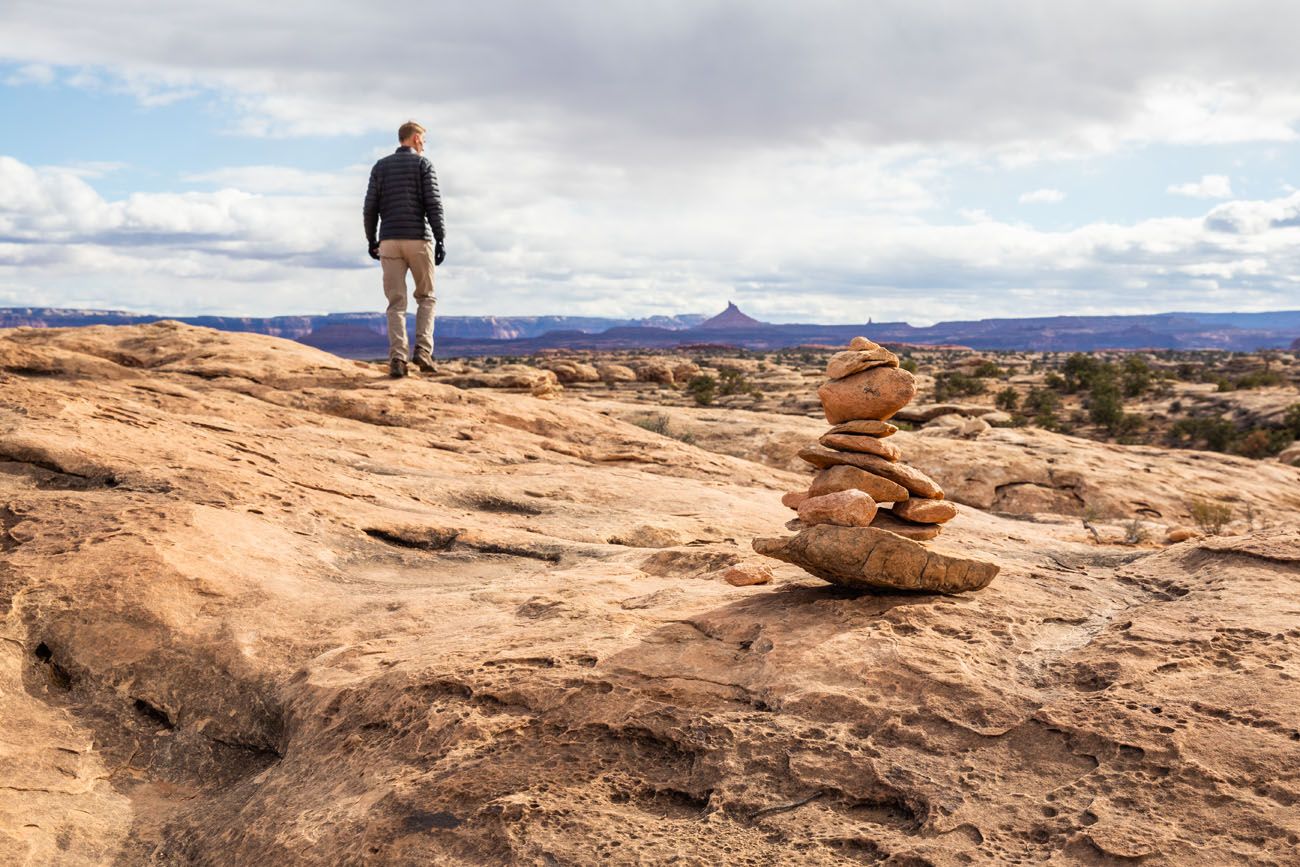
(1295, 344)
(732, 317)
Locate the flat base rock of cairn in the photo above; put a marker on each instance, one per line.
(862, 520)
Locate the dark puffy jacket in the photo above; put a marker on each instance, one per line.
(402, 199)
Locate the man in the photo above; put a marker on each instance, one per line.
(403, 202)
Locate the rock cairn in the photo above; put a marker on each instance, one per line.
(863, 519)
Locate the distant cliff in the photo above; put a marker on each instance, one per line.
(362, 335)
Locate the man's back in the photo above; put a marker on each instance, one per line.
(403, 198)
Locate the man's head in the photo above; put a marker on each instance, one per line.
(411, 135)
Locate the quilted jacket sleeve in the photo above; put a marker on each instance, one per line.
(432, 201)
(371, 209)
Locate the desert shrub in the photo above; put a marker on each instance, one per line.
(908, 363)
(1176, 406)
(1041, 405)
(1135, 376)
(1213, 432)
(987, 368)
(1262, 442)
(1105, 402)
(1081, 370)
(732, 381)
(654, 423)
(703, 388)
(1054, 381)
(954, 384)
(1291, 420)
(1007, 399)
(1210, 516)
(1134, 532)
(1257, 379)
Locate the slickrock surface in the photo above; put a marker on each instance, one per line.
(259, 605)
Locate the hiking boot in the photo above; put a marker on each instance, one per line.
(424, 362)
(396, 368)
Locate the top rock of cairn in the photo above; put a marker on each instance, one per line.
(866, 512)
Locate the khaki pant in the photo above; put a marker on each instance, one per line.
(397, 256)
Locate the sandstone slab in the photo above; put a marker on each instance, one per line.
(853, 361)
(843, 478)
(877, 393)
(865, 426)
(870, 559)
(862, 444)
(915, 481)
(851, 508)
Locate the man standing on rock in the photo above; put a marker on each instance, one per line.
(403, 203)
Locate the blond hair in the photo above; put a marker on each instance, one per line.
(408, 129)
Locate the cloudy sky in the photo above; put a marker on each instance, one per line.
(814, 161)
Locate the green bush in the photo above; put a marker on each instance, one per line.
(1041, 405)
(988, 368)
(1291, 420)
(1136, 376)
(703, 388)
(954, 384)
(1213, 432)
(908, 363)
(1007, 399)
(732, 381)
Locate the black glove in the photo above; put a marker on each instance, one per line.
(439, 253)
(374, 251)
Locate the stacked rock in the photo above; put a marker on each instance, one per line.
(864, 499)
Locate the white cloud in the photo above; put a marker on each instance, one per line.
(690, 245)
(1208, 187)
(31, 73)
(618, 158)
(1042, 197)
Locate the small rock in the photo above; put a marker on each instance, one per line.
(863, 444)
(998, 418)
(877, 393)
(850, 508)
(1291, 455)
(885, 520)
(915, 481)
(1180, 534)
(792, 499)
(866, 427)
(925, 511)
(863, 343)
(845, 478)
(873, 559)
(747, 574)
